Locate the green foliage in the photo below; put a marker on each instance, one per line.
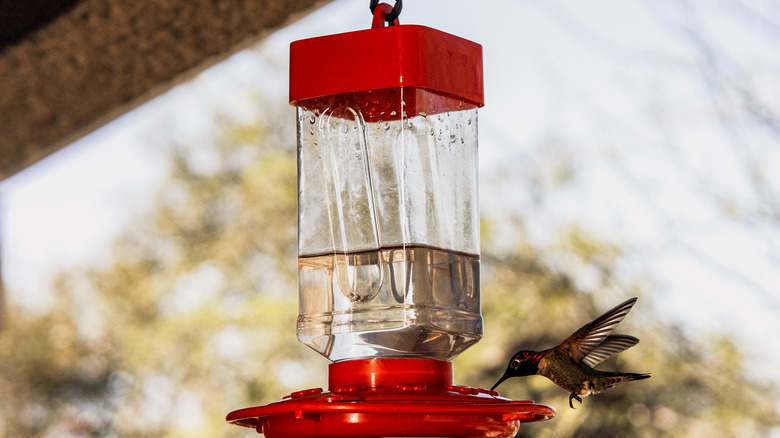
(696, 390)
(194, 316)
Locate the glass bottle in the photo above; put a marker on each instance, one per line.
(388, 217)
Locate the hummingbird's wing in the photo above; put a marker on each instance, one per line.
(591, 335)
(612, 345)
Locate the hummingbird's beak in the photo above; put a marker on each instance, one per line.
(504, 377)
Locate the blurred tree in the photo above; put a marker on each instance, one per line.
(195, 316)
(696, 390)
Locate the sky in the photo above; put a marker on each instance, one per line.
(626, 118)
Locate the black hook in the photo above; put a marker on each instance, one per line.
(392, 16)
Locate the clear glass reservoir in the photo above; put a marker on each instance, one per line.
(388, 250)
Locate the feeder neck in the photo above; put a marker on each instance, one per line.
(377, 373)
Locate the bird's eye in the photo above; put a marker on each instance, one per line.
(515, 363)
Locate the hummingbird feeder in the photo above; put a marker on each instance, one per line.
(388, 237)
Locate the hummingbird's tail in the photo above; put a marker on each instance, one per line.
(635, 376)
(610, 379)
(627, 377)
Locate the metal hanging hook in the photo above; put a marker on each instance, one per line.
(392, 16)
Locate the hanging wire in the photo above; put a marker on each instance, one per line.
(392, 16)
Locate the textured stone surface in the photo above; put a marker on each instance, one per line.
(101, 58)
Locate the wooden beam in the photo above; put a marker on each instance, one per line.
(100, 58)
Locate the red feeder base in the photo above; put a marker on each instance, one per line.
(391, 397)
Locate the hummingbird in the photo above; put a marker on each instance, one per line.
(570, 364)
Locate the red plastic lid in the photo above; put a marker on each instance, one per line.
(391, 397)
(386, 57)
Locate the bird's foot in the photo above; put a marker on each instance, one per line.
(575, 397)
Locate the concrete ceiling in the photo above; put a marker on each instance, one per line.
(70, 66)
